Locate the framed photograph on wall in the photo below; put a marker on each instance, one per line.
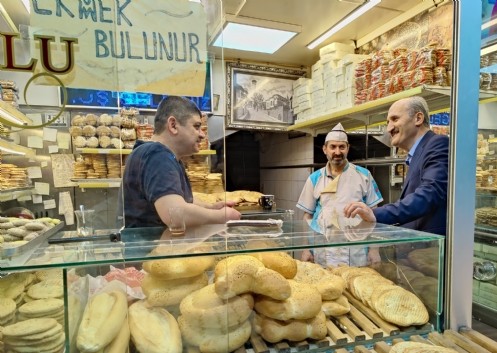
(259, 97)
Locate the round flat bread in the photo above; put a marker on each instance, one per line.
(42, 306)
(29, 327)
(401, 307)
(50, 288)
(7, 307)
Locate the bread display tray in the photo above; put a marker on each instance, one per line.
(31, 245)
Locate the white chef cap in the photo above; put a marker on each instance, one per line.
(337, 134)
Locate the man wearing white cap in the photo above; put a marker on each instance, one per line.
(328, 190)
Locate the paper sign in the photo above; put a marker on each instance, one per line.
(43, 164)
(66, 207)
(37, 198)
(35, 142)
(62, 170)
(34, 172)
(53, 149)
(15, 137)
(24, 198)
(63, 141)
(49, 204)
(49, 134)
(42, 188)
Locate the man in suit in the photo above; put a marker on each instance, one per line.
(423, 201)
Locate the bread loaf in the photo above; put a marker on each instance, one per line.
(102, 320)
(205, 308)
(294, 330)
(400, 307)
(328, 284)
(278, 261)
(336, 307)
(153, 329)
(303, 303)
(170, 292)
(239, 274)
(120, 343)
(179, 267)
(215, 340)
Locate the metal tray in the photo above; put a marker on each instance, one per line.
(32, 244)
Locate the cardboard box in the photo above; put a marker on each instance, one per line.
(336, 46)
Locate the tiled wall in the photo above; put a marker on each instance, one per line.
(286, 183)
(485, 292)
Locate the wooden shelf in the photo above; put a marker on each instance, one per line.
(375, 111)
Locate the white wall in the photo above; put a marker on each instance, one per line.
(487, 116)
(276, 149)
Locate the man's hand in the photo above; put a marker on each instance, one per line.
(220, 204)
(358, 208)
(307, 256)
(374, 255)
(231, 214)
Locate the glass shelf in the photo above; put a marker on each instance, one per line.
(137, 243)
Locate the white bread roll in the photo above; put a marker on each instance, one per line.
(179, 267)
(329, 285)
(161, 292)
(304, 303)
(204, 308)
(215, 340)
(102, 320)
(154, 330)
(294, 330)
(239, 274)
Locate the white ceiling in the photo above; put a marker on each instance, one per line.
(314, 17)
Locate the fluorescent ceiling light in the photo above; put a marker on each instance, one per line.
(7, 19)
(251, 34)
(27, 5)
(354, 15)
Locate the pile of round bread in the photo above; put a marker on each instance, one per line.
(390, 301)
(103, 131)
(32, 312)
(240, 197)
(15, 231)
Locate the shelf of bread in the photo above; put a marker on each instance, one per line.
(372, 112)
(205, 152)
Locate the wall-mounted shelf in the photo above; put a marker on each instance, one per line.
(10, 113)
(438, 97)
(103, 150)
(97, 183)
(205, 152)
(8, 147)
(13, 194)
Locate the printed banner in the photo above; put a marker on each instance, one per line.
(122, 45)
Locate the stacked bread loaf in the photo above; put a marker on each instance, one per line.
(329, 285)
(213, 324)
(391, 302)
(168, 281)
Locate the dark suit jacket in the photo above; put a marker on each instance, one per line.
(423, 202)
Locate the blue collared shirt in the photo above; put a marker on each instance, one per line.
(412, 150)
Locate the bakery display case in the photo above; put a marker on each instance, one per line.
(235, 282)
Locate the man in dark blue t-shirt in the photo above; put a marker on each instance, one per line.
(154, 178)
